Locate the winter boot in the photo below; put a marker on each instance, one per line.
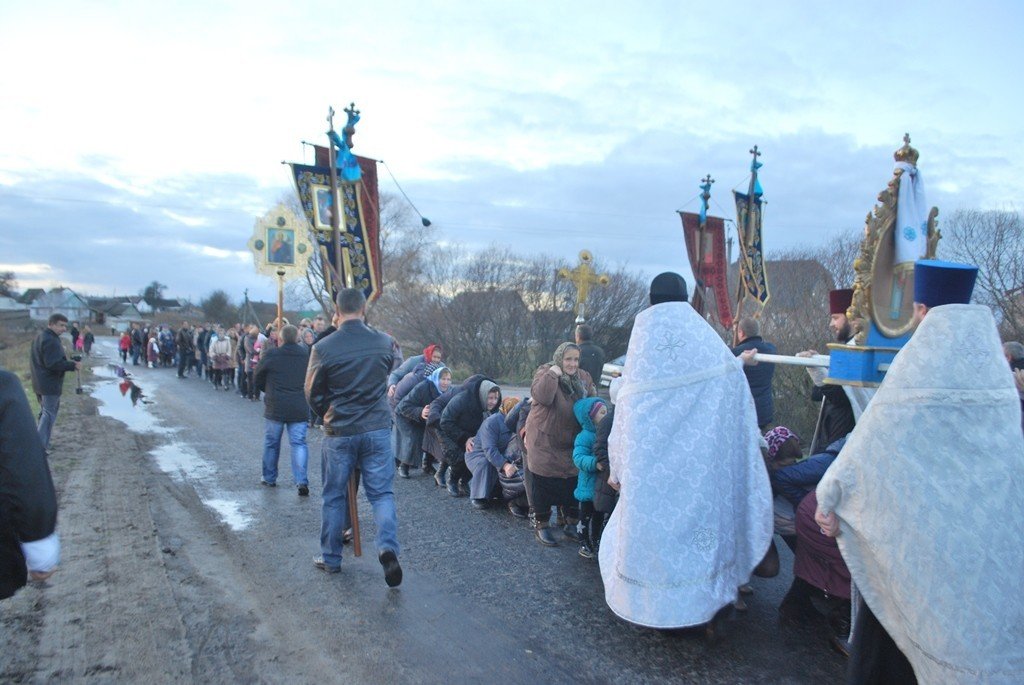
(439, 477)
(543, 533)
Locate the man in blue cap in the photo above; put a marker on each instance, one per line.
(934, 460)
(937, 283)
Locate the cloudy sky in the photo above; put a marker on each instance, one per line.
(141, 144)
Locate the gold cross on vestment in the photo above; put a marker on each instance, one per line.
(583, 276)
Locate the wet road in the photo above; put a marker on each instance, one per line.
(480, 601)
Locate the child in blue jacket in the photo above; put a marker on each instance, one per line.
(589, 411)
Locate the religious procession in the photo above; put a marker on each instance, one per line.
(669, 472)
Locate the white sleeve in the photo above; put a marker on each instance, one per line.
(43, 555)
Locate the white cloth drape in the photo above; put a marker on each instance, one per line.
(695, 510)
(911, 216)
(929, 491)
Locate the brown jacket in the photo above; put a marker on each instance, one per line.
(551, 426)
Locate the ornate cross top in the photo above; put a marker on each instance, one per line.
(330, 118)
(583, 276)
(706, 187)
(350, 125)
(755, 152)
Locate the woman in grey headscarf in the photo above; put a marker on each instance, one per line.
(550, 430)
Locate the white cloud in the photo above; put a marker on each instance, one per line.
(191, 221)
(27, 269)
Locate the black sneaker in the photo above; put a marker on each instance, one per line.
(303, 491)
(479, 504)
(268, 483)
(392, 569)
(586, 552)
(403, 470)
(319, 563)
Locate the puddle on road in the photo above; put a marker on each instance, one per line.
(230, 512)
(179, 461)
(119, 407)
(182, 463)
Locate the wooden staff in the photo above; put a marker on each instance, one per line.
(341, 280)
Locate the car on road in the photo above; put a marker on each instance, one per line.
(612, 369)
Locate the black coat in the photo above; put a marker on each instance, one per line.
(836, 417)
(592, 360)
(759, 377)
(49, 364)
(605, 496)
(281, 374)
(346, 382)
(461, 420)
(28, 503)
(432, 444)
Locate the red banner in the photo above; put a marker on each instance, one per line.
(707, 260)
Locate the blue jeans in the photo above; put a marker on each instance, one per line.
(49, 405)
(272, 450)
(371, 453)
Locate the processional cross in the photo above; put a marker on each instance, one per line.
(583, 276)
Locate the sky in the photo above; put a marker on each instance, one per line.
(142, 141)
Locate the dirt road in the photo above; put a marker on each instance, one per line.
(179, 567)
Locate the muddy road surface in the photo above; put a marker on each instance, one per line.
(179, 567)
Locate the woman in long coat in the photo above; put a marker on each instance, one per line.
(550, 430)
(410, 417)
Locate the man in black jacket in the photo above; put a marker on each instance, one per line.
(280, 374)
(591, 354)
(186, 350)
(346, 384)
(29, 545)
(49, 364)
(759, 376)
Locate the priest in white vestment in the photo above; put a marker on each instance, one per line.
(694, 515)
(927, 497)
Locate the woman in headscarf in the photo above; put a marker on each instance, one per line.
(411, 414)
(550, 430)
(460, 421)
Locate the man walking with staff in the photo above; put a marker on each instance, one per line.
(346, 384)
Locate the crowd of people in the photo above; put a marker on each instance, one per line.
(679, 481)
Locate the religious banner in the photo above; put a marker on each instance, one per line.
(358, 222)
(708, 262)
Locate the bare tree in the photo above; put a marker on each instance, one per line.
(8, 284)
(153, 293)
(217, 307)
(994, 242)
